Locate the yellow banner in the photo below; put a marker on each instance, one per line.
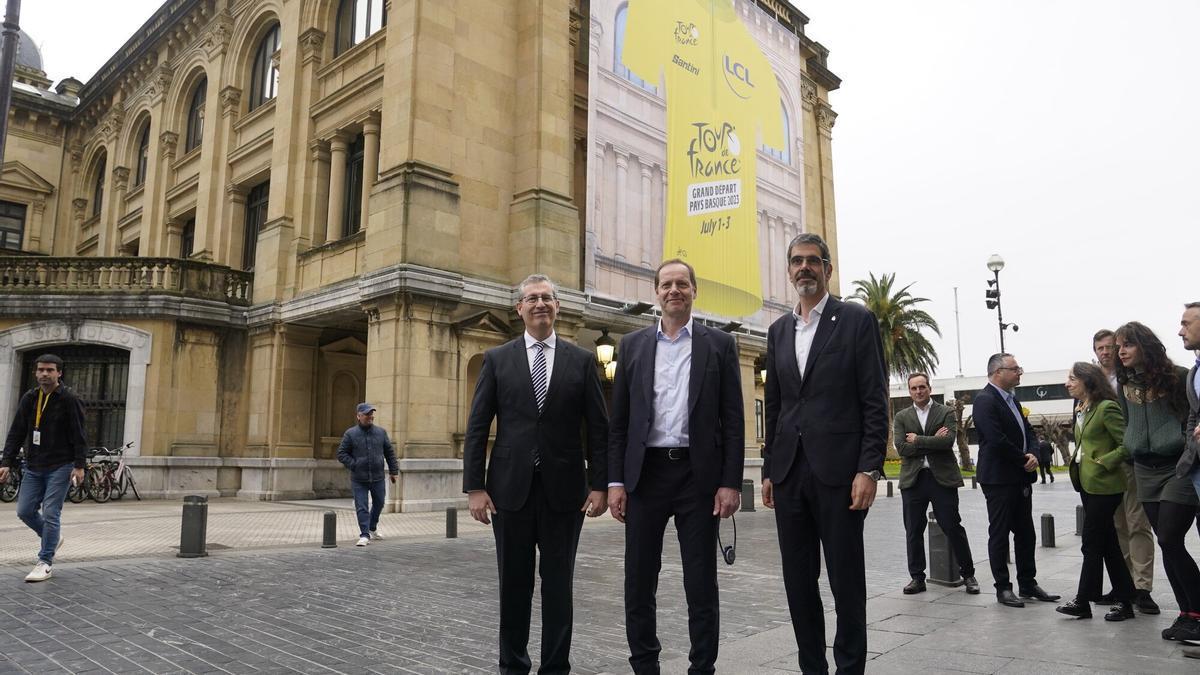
(721, 94)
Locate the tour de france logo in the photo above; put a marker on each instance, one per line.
(686, 33)
(714, 157)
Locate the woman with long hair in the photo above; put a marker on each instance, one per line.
(1099, 453)
(1154, 399)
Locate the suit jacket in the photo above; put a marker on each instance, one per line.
(716, 420)
(839, 408)
(1191, 453)
(574, 412)
(1002, 442)
(939, 450)
(1102, 439)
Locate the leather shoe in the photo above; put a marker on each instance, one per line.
(1076, 608)
(1007, 598)
(1037, 593)
(1144, 603)
(1106, 599)
(972, 585)
(1120, 612)
(915, 586)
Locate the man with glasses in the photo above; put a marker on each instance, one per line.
(826, 415)
(1133, 527)
(1007, 469)
(545, 396)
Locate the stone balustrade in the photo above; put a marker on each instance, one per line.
(190, 278)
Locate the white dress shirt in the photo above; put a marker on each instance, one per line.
(531, 353)
(922, 418)
(806, 330)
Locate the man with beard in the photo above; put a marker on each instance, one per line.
(826, 417)
(1133, 527)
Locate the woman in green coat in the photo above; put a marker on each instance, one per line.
(1099, 452)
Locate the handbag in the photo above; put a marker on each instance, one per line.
(1073, 471)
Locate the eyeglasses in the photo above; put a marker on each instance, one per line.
(1017, 369)
(532, 300)
(810, 260)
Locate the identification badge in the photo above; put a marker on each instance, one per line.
(37, 437)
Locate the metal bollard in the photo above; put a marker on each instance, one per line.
(1047, 530)
(1079, 520)
(943, 565)
(329, 530)
(452, 523)
(974, 483)
(889, 488)
(747, 495)
(193, 533)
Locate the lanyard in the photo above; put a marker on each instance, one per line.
(41, 408)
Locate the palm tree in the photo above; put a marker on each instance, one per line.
(905, 349)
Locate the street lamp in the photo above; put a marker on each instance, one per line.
(605, 347)
(995, 263)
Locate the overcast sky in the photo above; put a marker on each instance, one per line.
(1062, 134)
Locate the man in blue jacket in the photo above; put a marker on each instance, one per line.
(363, 450)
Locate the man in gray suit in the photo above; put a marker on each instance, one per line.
(924, 435)
(1189, 462)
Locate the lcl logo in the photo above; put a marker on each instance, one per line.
(740, 83)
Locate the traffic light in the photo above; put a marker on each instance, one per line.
(993, 294)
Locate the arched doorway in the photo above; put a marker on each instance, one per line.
(99, 376)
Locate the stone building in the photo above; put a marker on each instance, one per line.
(260, 212)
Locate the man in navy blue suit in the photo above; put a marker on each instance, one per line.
(1007, 468)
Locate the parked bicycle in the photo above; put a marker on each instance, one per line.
(10, 487)
(106, 476)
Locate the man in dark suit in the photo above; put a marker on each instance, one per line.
(676, 448)
(1189, 462)
(826, 416)
(1007, 468)
(929, 473)
(546, 398)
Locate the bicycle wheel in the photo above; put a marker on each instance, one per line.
(99, 484)
(120, 485)
(78, 493)
(130, 484)
(9, 488)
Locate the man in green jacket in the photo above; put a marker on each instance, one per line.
(929, 474)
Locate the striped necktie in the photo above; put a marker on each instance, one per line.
(540, 384)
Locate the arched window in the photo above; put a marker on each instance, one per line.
(357, 20)
(619, 50)
(264, 77)
(143, 154)
(784, 155)
(98, 186)
(195, 116)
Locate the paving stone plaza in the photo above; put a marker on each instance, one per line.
(269, 599)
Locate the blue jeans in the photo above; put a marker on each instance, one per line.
(368, 519)
(44, 490)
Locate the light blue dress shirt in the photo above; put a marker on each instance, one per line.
(672, 377)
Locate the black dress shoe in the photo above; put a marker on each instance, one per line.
(1144, 603)
(1037, 593)
(1007, 598)
(1076, 608)
(972, 585)
(1106, 599)
(915, 586)
(1120, 612)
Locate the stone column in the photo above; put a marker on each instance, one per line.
(173, 238)
(746, 355)
(235, 220)
(774, 256)
(120, 184)
(336, 228)
(647, 218)
(620, 226)
(318, 192)
(370, 163)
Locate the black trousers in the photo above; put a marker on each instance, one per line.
(668, 489)
(916, 500)
(555, 534)
(1101, 550)
(1010, 510)
(1047, 470)
(808, 513)
(1171, 523)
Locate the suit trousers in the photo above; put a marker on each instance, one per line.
(808, 513)
(1010, 510)
(916, 500)
(555, 534)
(667, 488)
(1101, 550)
(1135, 535)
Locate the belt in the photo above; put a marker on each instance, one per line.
(673, 454)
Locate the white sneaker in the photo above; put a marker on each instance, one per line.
(376, 536)
(363, 541)
(41, 572)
